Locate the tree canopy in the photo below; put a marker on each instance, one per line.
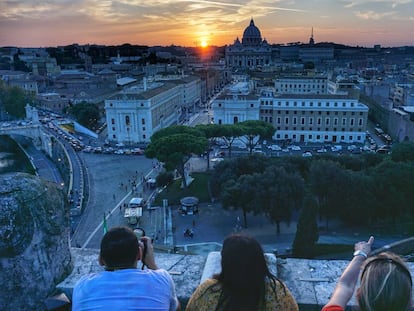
(86, 114)
(365, 190)
(174, 146)
(14, 99)
(254, 131)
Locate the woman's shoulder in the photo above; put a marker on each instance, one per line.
(210, 285)
(278, 296)
(205, 296)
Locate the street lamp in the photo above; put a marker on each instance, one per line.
(129, 140)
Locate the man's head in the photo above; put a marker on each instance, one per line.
(119, 249)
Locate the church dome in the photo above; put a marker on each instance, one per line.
(251, 35)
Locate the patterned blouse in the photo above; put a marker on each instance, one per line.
(206, 297)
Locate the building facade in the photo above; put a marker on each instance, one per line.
(236, 104)
(251, 52)
(301, 85)
(312, 115)
(315, 118)
(137, 112)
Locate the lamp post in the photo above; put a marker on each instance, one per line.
(129, 140)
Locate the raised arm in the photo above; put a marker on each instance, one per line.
(346, 284)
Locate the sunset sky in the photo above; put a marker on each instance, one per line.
(36, 23)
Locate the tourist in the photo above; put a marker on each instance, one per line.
(244, 283)
(122, 286)
(386, 282)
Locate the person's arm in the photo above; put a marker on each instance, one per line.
(148, 258)
(346, 285)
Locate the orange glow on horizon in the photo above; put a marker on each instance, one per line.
(204, 44)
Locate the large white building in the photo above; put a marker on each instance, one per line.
(304, 117)
(251, 52)
(137, 112)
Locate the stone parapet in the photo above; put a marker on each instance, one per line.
(310, 281)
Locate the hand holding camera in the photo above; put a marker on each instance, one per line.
(147, 249)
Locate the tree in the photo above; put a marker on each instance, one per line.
(254, 131)
(393, 189)
(279, 194)
(211, 132)
(242, 194)
(164, 179)
(14, 100)
(229, 132)
(326, 183)
(235, 168)
(86, 114)
(174, 145)
(307, 233)
(403, 152)
(19, 65)
(357, 202)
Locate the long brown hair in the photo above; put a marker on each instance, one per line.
(386, 284)
(243, 274)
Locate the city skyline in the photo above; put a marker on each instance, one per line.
(32, 23)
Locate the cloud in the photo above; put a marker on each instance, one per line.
(372, 3)
(371, 15)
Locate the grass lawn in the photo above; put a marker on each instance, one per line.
(198, 188)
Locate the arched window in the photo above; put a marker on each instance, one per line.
(235, 120)
(127, 122)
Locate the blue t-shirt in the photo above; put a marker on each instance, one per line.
(127, 289)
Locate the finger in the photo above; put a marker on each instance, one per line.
(371, 240)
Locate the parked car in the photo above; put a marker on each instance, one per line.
(274, 147)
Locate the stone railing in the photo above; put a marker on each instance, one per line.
(310, 281)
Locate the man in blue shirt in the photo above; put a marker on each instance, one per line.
(122, 286)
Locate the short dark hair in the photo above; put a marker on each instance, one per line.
(119, 248)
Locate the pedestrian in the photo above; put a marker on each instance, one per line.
(113, 196)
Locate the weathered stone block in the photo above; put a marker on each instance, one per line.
(34, 241)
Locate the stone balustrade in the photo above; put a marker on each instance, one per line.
(310, 281)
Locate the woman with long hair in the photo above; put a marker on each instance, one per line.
(386, 282)
(244, 283)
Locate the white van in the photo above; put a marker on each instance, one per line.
(136, 202)
(134, 210)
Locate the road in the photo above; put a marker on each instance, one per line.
(106, 173)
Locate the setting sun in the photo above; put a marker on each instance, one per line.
(204, 43)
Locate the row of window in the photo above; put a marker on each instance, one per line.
(127, 121)
(318, 137)
(286, 112)
(319, 121)
(305, 86)
(286, 128)
(307, 104)
(143, 137)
